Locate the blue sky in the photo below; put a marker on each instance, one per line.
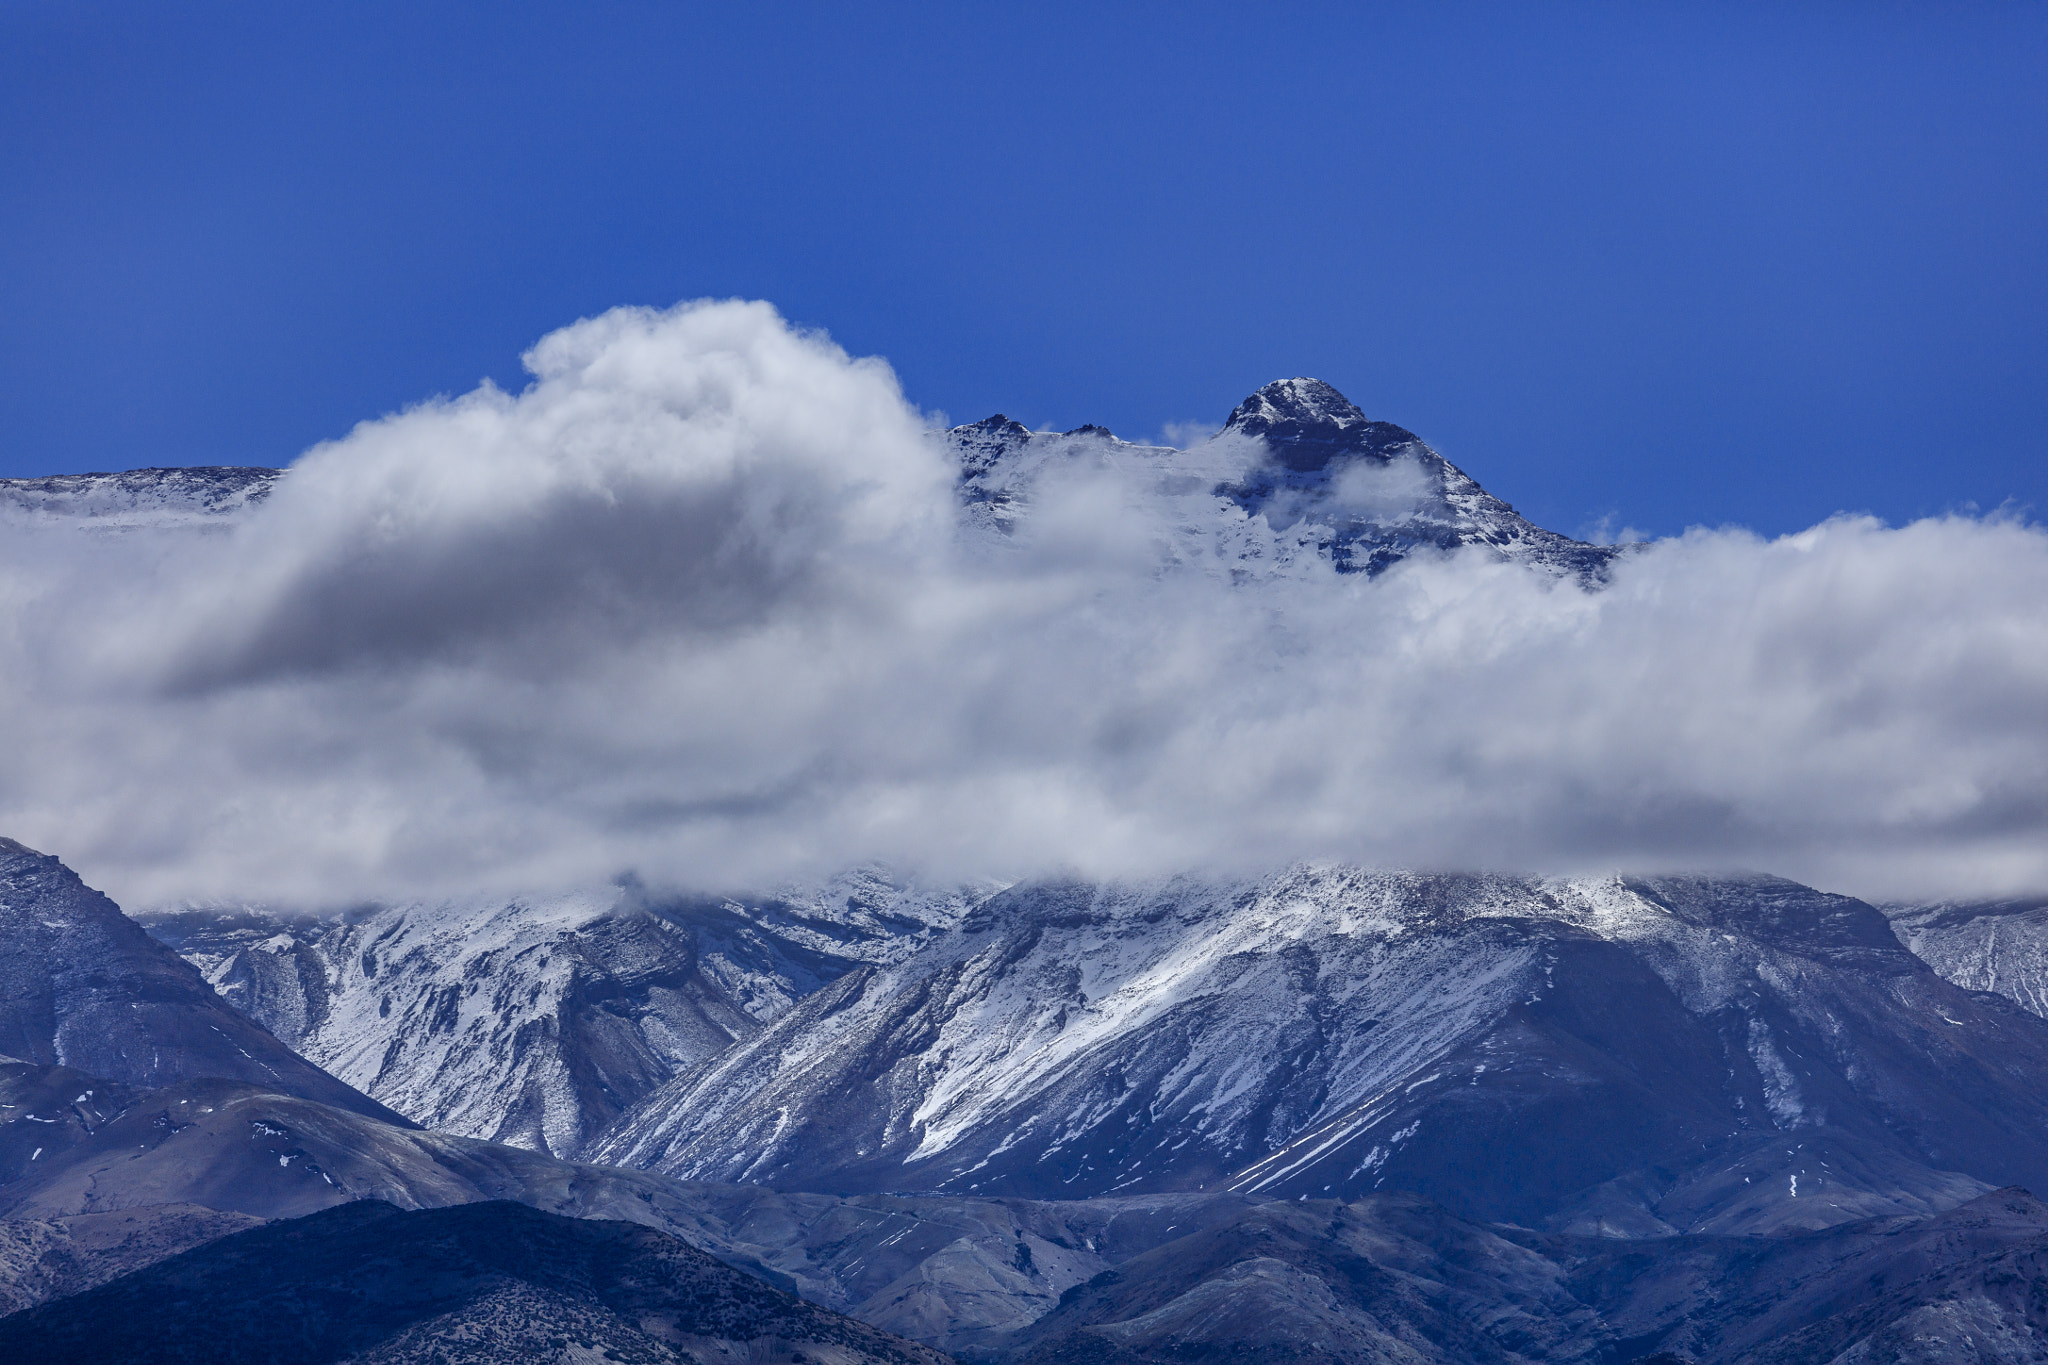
(1657, 264)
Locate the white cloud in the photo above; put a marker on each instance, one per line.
(1389, 492)
(694, 605)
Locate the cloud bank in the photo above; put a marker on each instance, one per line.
(697, 605)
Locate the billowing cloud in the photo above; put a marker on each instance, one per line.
(698, 604)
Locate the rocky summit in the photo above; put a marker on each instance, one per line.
(1298, 479)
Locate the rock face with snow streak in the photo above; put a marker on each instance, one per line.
(1997, 946)
(1639, 1056)
(532, 1022)
(81, 985)
(1298, 476)
(537, 1022)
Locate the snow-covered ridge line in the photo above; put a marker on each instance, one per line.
(1330, 1030)
(1670, 1053)
(140, 497)
(536, 1021)
(1299, 475)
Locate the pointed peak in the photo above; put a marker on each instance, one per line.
(1306, 423)
(1091, 430)
(1294, 400)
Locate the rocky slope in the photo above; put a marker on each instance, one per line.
(538, 1022)
(1642, 1057)
(98, 1179)
(483, 1283)
(72, 1144)
(48, 1258)
(81, 985)
(1997, 946)
(1394, 1278)
(1178, 1276)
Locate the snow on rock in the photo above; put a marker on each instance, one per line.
(1997, 946)
(536, 1022)
(1502, 1045)
(139, 497)
(1298, 477)
(82, 986)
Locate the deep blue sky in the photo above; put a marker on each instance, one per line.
(1668, 264)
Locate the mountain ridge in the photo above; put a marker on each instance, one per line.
(83, 985)
(1327, 483)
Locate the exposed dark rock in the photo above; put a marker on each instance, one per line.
(48, 1258)
(484, 1283)
(83, 986)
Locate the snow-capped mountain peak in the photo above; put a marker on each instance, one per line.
(1306, 423)
(1300, 480)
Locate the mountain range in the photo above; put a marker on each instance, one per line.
(1297, 474)
(1321, 1113)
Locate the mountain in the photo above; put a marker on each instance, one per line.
(538, 1022)
(97, 1179)
(1997, 946)
(1636, 1056)
(1298, 475)
(1664, 1055)
(483, 1283)
(1179, 1276)
(48, 1258)
(83, 986)
(1397, 1278)
(140, 497)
